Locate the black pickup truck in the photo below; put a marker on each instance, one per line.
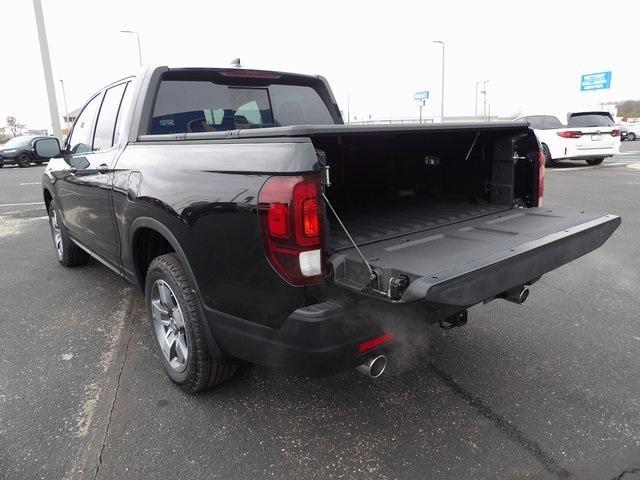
(261, 228)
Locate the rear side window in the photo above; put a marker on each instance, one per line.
(105, 126)
(535, 122)
(543, 122)
(589, 120)
(82, 135)
(550, 123)
(185, 106)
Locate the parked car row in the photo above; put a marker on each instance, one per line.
(588, 136)
(21, 151)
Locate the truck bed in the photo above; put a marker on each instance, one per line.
(383, 222)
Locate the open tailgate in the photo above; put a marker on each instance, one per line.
(474, 260)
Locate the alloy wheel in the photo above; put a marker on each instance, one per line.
(56, 234)
(168, 322)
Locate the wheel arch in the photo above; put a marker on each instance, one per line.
(46, 194)
(147, 224)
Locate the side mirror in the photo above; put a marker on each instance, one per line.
(47, 147)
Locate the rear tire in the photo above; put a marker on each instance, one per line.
(24, 160)
(69, 254)
(548, 161)
(178, 329)
(595, 161)
(631, 136)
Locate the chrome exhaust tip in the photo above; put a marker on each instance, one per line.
(517, 295)
(374, 366)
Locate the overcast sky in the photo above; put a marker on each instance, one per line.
(533, 53)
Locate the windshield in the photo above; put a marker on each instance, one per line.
(18, 142)
(589, 120)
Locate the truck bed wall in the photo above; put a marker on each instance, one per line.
(397, 172)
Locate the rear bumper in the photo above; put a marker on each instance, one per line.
(324, 338)
(584, 153)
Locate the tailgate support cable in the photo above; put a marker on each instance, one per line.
(472, 145)
(372, 274)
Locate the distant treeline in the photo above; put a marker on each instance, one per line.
(628, 109)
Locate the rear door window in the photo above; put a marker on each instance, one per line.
(535, 121)
(550, 123)
(105, 126)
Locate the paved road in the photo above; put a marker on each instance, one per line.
(549, 389)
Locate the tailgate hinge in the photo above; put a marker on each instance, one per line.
(325, 177)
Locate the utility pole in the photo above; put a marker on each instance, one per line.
(66, 109)
(442, 86)
(484, 94)
(46, 66)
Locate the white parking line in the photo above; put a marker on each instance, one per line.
(20, 204)
(31, 183)
(634, 165)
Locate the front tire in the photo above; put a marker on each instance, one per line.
(68, 253)
(631, 136)
(178, 328)
(595, 161)
(24, 160)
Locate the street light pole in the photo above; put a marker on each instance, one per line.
(66, 109)
(46, 66)
(442, 87)
(138, 38)
(484, 94)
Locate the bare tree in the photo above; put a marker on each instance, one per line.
(629, 108)
(14, 127)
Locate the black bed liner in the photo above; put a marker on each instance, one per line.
(376, 223)
(472, 260)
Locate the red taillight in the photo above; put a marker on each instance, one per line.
(540, 193)
(615, 133)
(291, 227)
(278, 218)
(376, 342)
(569, 134)
(305, 197)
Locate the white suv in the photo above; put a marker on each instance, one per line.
(589, 136)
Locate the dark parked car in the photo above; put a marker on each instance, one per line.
(20, 151)
(260, 228)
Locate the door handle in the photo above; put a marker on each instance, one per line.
(103, 168)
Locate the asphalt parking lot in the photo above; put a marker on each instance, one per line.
(548, 389)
